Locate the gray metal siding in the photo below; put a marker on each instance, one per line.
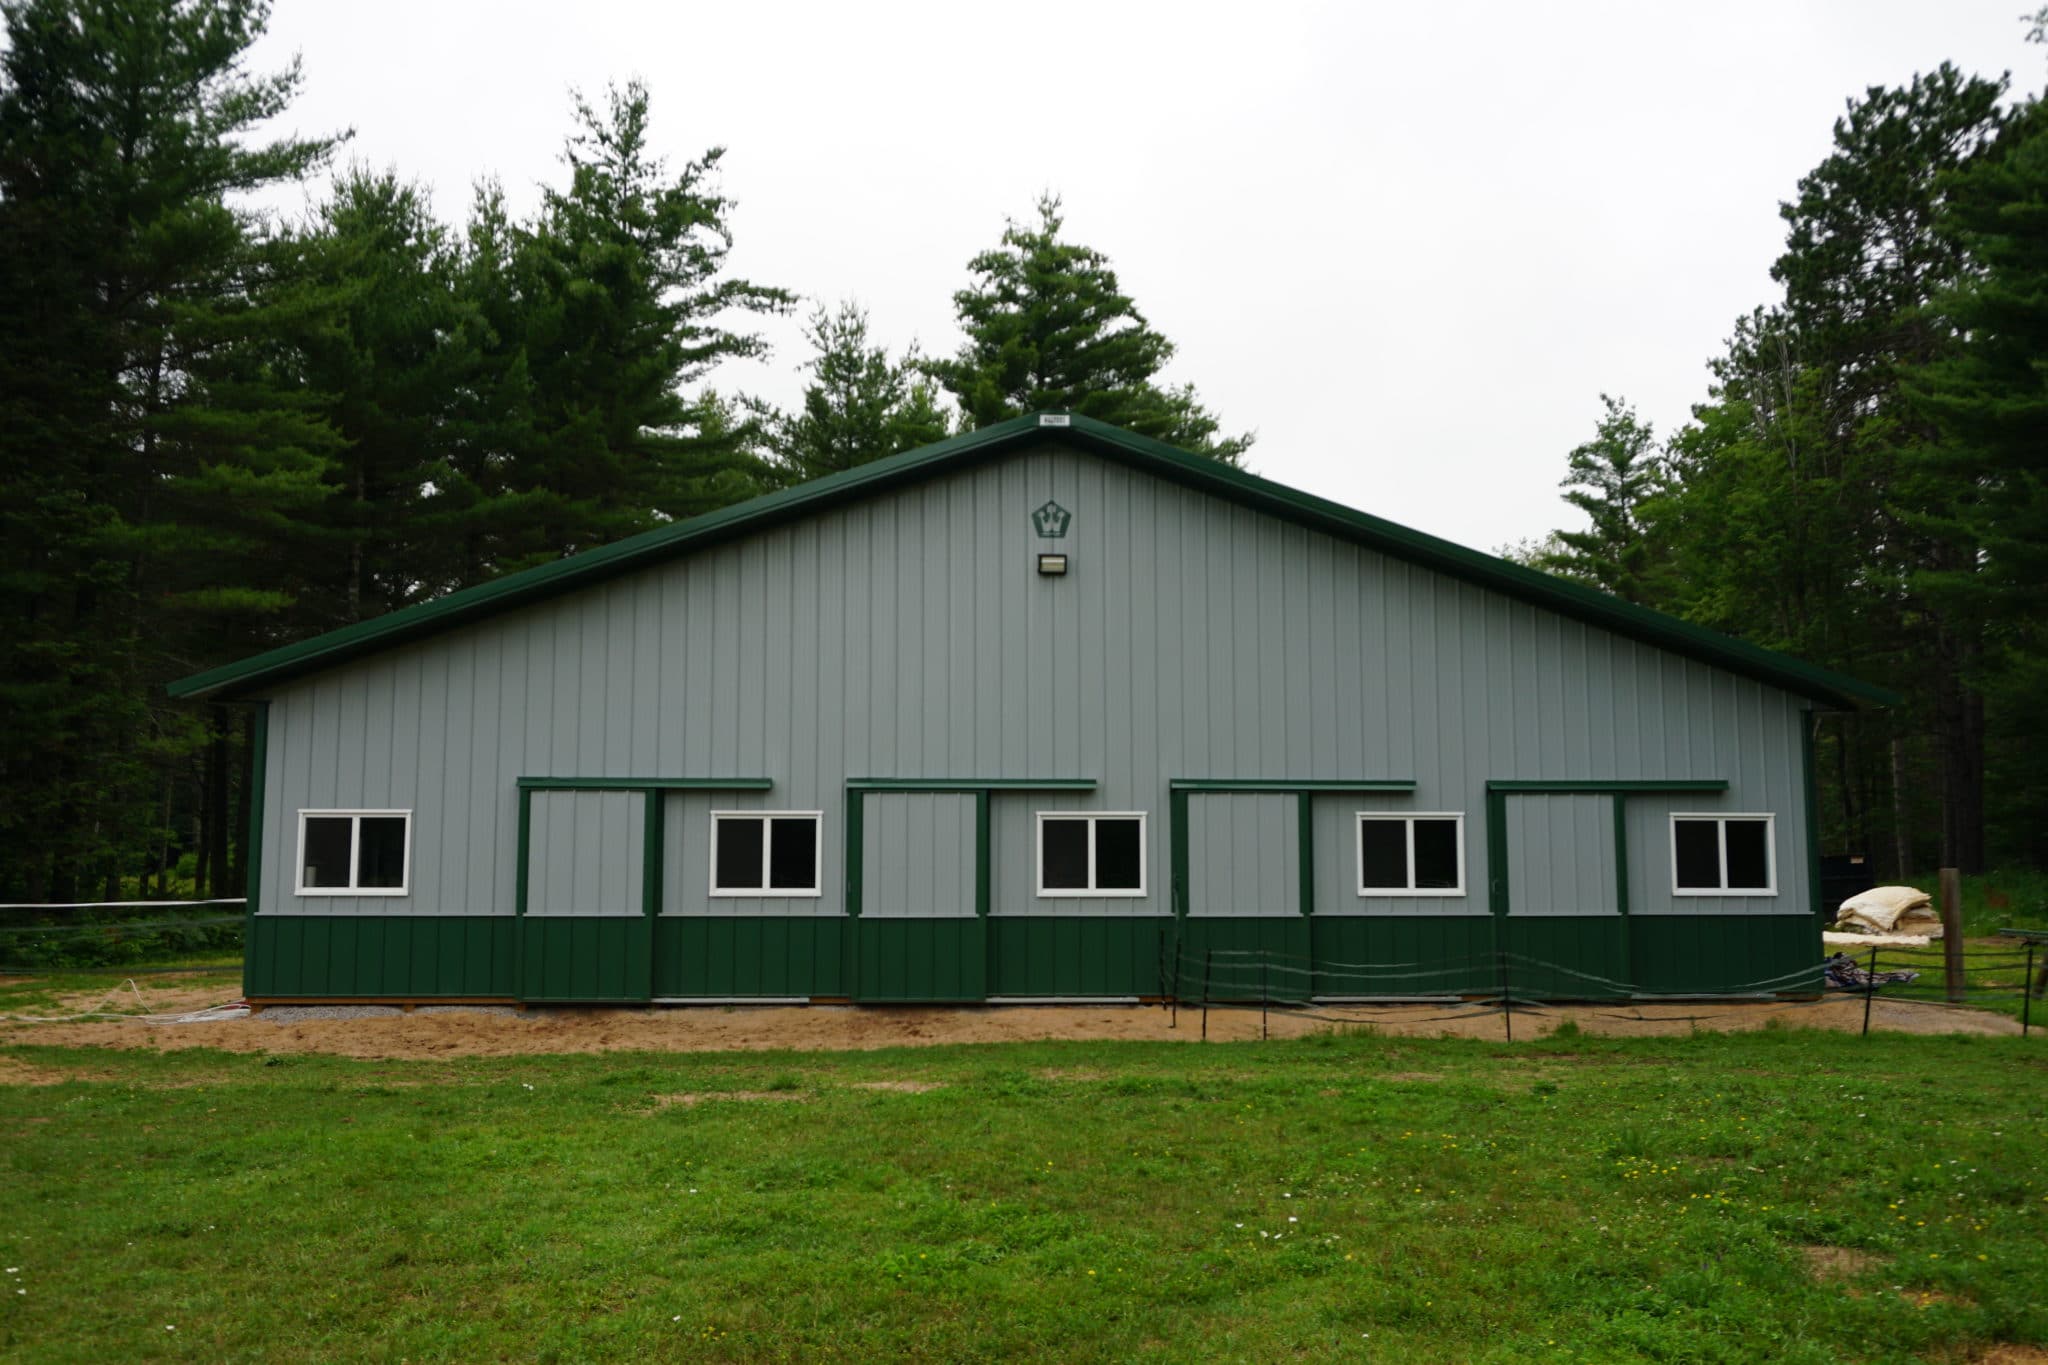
(918, 855)
(1561, 855)
(585, 853)
(1244, 855)
(910, 636)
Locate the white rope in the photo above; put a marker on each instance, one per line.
(230, 1009)
(113, 905)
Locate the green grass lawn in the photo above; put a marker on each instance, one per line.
(1333, 1198)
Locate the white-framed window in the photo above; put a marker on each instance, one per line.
(1724, 855)
(1418, 854)
(1093, 853)
(355, 852)
(765, 852)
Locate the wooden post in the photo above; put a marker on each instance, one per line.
(1952, 932)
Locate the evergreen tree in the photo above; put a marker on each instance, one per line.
(1610, 478)
(622, 291)
(1048, 327)
(860, 405)
(156, 467)
(1989, 400)
(386, 362)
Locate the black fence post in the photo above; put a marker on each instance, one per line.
(1265, 992)
(1869, 989)
(1208, 961)
(2027, 993)
(1176, 982)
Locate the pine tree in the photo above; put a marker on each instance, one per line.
(622, 291)
(1048, 327)
(155, 463)
(387, 364)
(1610, 478)
(1989, 400)
(860, 405)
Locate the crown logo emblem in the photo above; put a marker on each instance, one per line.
(1051, 520)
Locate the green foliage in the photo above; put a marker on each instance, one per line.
(1728, 1198)
(1610, 478)
(1819, 503)
(1989, 402)
(1048, 327)
(622, 296)
(217, 437)
(860, 405)
(148, 450)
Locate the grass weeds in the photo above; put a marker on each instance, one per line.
(1779, 1196)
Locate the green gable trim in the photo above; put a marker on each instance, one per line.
(1149, 456)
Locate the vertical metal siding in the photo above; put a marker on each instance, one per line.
(586, 850)
(918, 855)
(1561, 855)
(1244, 857)
(910, 636)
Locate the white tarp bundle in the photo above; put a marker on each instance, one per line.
(1889, 910)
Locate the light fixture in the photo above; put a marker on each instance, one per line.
(1052, 566)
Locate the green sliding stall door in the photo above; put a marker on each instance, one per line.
(587, 934)
(1245, 936)
(919, 937)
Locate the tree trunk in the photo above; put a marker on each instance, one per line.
(238, 875)
(1902, 830)
(216, 842)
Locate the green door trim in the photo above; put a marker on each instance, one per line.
(1809, 726)
(653, 789)
(858, 788)
(1498, 790)
(644, 784)
(1302, 788)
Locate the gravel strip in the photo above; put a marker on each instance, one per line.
(299, 1014)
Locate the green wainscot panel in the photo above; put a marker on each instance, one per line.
(1565, 957)
(1053, 956)
(396, 956)
(718, 957)
(1404, 955)
(921, 960)
(586, 958)
(1225, 958)
(1726, 954)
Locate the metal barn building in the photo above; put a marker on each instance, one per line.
(1045, 711)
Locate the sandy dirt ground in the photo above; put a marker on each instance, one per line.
(714, 1028)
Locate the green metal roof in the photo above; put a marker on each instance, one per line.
(251, 675)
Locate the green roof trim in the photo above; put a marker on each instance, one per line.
(1209, 476)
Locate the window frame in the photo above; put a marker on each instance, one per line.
(1091, 891)
(766, 892)
(1721, 819)
(1365, 892)
(355, 854)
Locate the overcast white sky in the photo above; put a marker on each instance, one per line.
(1409, 245)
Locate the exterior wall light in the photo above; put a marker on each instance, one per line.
(1052, 566)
